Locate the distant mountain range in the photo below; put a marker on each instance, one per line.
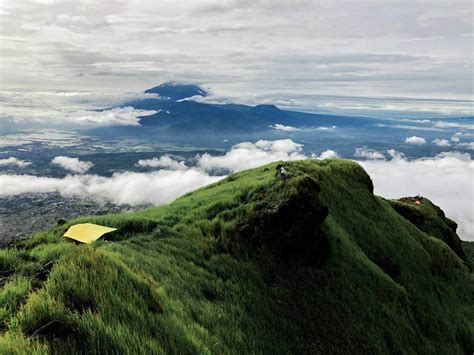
(178, 113)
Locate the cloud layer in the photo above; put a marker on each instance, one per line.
(446, 179)
(157, 187)
(123, 188)
(420, 48)
(65, 109)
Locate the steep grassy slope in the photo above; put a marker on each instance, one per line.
(468, 248)
(252, 264)
(431, 220)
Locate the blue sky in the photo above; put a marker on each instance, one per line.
(414, 49)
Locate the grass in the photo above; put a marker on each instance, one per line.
(251, 264)
(468, 248)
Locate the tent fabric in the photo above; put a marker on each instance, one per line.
(87, 232)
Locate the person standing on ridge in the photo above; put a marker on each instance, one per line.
(282, 171)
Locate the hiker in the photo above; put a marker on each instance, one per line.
(282, 171)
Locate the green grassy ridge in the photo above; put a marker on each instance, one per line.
(251, 264)
(468, 248)
(431, 220)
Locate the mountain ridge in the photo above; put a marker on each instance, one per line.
(251, 264)
(179, 114)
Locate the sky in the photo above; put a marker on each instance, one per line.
(412, 49)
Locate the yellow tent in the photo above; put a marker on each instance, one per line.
(87, 232)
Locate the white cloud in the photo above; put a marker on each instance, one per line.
(326, 128)
(442, 142)
(445, 179)
(465, 157)
(468, 135)
(14, 161)
(122, 188)
(443, 124)
(72, 164)
(455, 138)
(280, 127)
(327, 154)
(126, 116)
(69, 108)
(395, 154)
(249, 155)
(164, 161)
(367, 153)
(415, 140)
(469, 145)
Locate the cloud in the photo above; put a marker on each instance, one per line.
(465, 157)
(327, 154)
(441, 142)
(367, 153)
(141, 43)
(158, 187)
(122, 188)
(395, 154)
(445, 179)
(467, 135)
(69, 108)
(414, 140)
(14, 161)
(443, 124)
(164, 161)
(250, 155)
(469, 145)
(280, 127)
(326, 128)
(126, 116)
(455, 138)
(72, 164)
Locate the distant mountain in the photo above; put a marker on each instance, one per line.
(179, 116)
(190, 115)
(169, 93)
(316, 264)
(176, 91)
